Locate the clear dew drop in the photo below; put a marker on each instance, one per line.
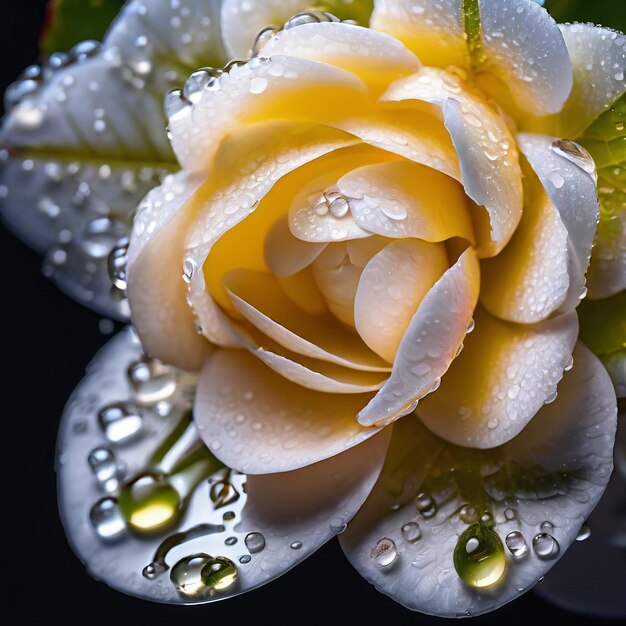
(229, 516)
(102, 462)
(384, 553)
(411, 532)
(204, 79)
(339, 207)
(309, 17)
(569, 364)
(516, 544)
(107, 520)
(175, 104)
(219, 573)
(545, 546)
(479, 558)
(337, 525)
(117, 262)
(223, 493)
(584, 532)
(186, 575)
(468, 513)
(546, 526)
(556, 180)
(152, 380)
(245, 558)
(264, 36)
(470, 327)
(296, 545)
(509, 514)
(486, 519)
(101, 234)
(426, 505)
(577, 155)
(255, 542)
(230, 541)
(120, 421)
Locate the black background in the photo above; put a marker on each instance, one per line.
(55, 339)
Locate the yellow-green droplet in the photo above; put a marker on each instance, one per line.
(219, 573)
(149, 503)
(479, 557)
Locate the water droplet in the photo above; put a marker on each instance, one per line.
(100, 235)
(186, 575)
(245, 558)
(120, 421)
(411, 532)
(153, 570)
(337, 525)
(468, 513)
(175, 104)
(223, 493)
(149, 503)
(201, 80)
(229, 516)
(546, 527)
(516, 544)
(583, 293)
(426, 505)
(83, 50)
(509, 514)
(152, 380)
(384, 553)
(584, 532)
(231, 541)
(551, 397)
(255, 542)
(107, 519)
(308, 17)
(470, 326)
(117, 262)
(486, 519)
(296, 545)
(556, 179)
(577, 155)
(219, 573)
(262, 39)
(339, 207)
(569, 364)
(545, 546)
(479, 557)
(103, 464)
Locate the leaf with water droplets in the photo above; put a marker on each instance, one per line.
(555, 469)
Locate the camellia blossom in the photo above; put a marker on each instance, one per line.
(371, 256)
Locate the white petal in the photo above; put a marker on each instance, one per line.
(376, 58)
(524, 46)
(555, 471)
(258, 297)
(338, 287)
(501, 379)
(156, 290)
(392, 286)
(570, 185)
(432, 29)
(400, 199)
(243, 19)
(430, 342)
(308, 506)
(598, 58)
(247, 416)
(615, 364)
(284, 88)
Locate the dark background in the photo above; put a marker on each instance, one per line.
(55, 339)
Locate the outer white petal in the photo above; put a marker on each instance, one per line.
(501, 379)
(598, 58)
(308, 506)
(555, 470)
(430, 343)
(376, 58)
(524, 46)
(258, 422)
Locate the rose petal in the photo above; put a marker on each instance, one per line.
(529, 280)
(487, 153)
(245, 413)
(286, 88)
(375, 57)
(392, 286)
(258, 297)
(499, 382)
(338, 287)
(156, 289)
(429, 28)
(598, 58)
(555, 471)
(524, 47)
(400, 199)
(430, 342)
(295, 512)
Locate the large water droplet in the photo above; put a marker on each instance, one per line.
(577, 155)
(219, 573)
(516, 544)
(545, 546)
(468, 513)
(426, 505)
(584, 533)
(385, 553)
(152, 380)
(255, 542)
(120, 421)
(107, 519)
(117, 262)
(479, 557)
(262, 39)
(337, 525)
(103, 464)
(411, 532)
(175, 104)
(149, 503)
(186, 575)
(201, 80)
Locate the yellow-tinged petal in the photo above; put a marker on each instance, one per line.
(338, 286)
(257, 422)
(430, 343)
(392, 286)
(402, 199)
(501, 379)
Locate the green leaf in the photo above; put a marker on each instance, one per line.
(606, 141)
(603, 323)
(72, 21)
(472, 28)
(358, 10)
(604, 12)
